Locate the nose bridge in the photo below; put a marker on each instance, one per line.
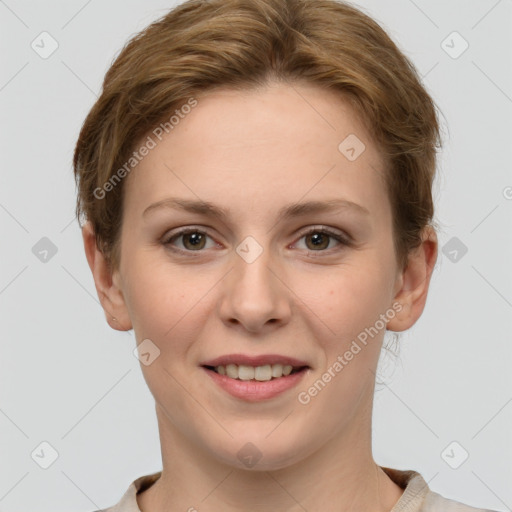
(252, 295)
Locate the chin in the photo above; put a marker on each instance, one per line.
(260, 453)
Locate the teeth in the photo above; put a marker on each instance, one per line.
(260, 373)
(263, 372)
(277, 370)
(287, 369)
(232, 371)
(245, 372)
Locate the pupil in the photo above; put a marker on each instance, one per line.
(195, 240)
(319, 240)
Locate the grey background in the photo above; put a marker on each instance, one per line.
(68, 379)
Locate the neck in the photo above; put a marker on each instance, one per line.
(340, 477)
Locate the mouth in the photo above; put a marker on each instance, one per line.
(256, 383)
(262, 373)
(253, 378)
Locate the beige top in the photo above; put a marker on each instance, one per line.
(417, 496)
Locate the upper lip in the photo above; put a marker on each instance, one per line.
(260, 360)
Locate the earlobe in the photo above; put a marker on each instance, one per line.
(414, 281)
(109, 292)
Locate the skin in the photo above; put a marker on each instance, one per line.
(253, 153)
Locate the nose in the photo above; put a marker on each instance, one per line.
(254, 295)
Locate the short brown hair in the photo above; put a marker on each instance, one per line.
(201, 45)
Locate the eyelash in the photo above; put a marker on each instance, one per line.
(342, 240)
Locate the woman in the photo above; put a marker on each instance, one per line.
(256, 182)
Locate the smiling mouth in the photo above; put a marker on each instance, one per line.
(263, 373)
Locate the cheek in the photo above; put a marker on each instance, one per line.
(162, 299)
(346, 302)
(167, 307)
(348, 297)
(351, 305)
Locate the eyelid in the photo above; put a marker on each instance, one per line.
(178, 232)
(340, 236)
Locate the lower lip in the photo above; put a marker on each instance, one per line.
(253, 390)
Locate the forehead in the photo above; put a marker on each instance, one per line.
(281, 141)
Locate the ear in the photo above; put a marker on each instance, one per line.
(106, 281)
(413, 282)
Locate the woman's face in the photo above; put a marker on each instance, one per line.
(299, 264)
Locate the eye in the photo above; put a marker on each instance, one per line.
(189, 239)
(320, 239)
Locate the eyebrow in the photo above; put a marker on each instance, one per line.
(286, 212)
